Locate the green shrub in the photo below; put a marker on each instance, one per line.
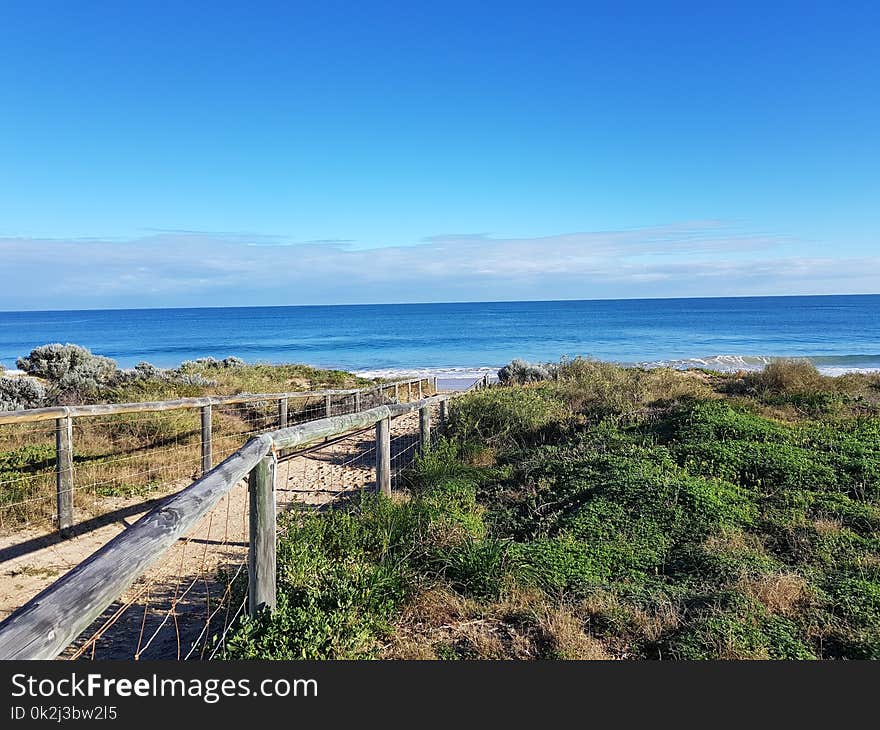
(566, 564)
(508, 416)
(477, 566)
(738, 631)
(342, 576)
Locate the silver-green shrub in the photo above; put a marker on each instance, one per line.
(145, 371)
(519, 372)
(73, 372)
(56, 361)
(19, 393)
(212, 362)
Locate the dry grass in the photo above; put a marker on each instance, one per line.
(827, 526)
(728, 648)
(593, 386)
(522, 625)
(565, 632)
(733, 541)
(780, 593)
(484, 458)
(635, 624)
(788, 376)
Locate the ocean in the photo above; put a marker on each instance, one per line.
(838, 333)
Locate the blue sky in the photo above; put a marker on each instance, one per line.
(164, 154)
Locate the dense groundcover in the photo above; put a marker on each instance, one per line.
(606, 513)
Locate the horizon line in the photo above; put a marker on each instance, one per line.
(417, 304)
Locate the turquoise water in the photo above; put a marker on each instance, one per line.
(838, 333)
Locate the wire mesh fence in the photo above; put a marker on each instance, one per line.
(27, 474)
(185, 606)
(119, 459)
(129, 457)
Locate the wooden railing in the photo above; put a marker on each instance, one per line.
(46, 625)
(64, 417)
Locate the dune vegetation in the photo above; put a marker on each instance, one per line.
(588, 511)
(68, 374)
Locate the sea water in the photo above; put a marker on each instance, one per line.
(838, 333)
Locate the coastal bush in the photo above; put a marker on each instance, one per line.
(73, 372)
(728, 625)
(55, 362)
(344, 575)
(21, 392)
(196, 380)
(787, 376)
(520, 372)
(239, 377)
(509, 416)
(212, 362)
(146, 371)
(477, 567)
(146, 381)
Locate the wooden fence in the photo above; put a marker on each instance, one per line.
(47, 624)
(64, 417)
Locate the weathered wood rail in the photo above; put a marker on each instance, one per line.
(64, 417)
(47, 624)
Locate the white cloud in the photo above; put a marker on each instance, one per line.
(183, 268)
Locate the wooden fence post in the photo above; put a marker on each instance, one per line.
(207, 456)
(327, 410)
(357, 402)
(383, 456)
(64, 473)
(396, 393)
(424, 429)
(261, 549)
(444, 410)
(408, 391)
(420, 390)
(282, 413)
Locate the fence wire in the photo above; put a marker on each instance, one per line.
(27, 474)
(123, 459)
(184, 605)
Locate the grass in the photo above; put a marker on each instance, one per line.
(607, 513)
